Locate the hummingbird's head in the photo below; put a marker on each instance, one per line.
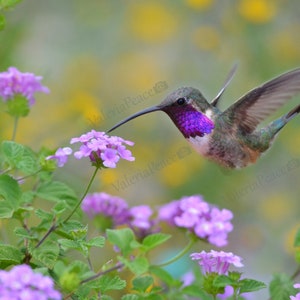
(188, 110)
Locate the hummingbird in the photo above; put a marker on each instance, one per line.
(230, 137)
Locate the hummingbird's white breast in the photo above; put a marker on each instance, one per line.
(200, 144)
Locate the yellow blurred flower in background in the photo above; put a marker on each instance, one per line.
(206, 38)
(257, 11)
(275, 210)
(152, 21)
(199, 4)
(87, 106)
(290, 238)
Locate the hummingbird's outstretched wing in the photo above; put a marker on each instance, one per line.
(262, 101)
(228, 79)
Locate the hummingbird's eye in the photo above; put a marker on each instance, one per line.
(181, 101)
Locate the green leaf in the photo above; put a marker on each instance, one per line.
(8, 3)
(57, 191)
(20, 157)
(107, 282)
(194, 290)
(98, 241)
(9, 255)
(10, 196)
(281, 287)
(122, 238)
(2, 22)
(23, 233)
(18, 106)
(69, 244)
(153, 240)
(59, 208)
(79, 245)
(27, 197)
(43, 215)
(130, 297)
(28, 164)
(138, 266)
(222, 281)
(141, 284)
(250, 285)
(297, 239)
(46, 254)
(163, 275)
(12, 151)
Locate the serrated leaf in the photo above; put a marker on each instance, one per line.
(107, 282)
(194, 290)
(59, 208)
(281, 287)
(8, 3)
(69, 244)
(2, 22)
(79, 267)
(163, 275)
(27, 197)
(57, 191)
(297, 239)
(10, 196)
(46, 254)
(130, 297)
(138, 266)
(222, 281)
(9, 255)
(12, 152)
(98, 241)
(43, 215)
(23, 233)
(141, 284)
(20, 157)
(122, 238)
(250, 285)
(153, 240)
(73, 225)
(28, 163)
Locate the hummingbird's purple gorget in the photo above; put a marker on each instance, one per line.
(189, 121)
(230, 137)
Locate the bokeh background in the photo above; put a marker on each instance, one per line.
(104, 60)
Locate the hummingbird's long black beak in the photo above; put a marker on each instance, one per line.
(140, 113)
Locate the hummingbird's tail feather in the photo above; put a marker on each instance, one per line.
(293, 113)
(278, 124)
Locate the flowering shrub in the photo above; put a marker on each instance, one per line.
(132, 232)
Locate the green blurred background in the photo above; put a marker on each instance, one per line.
(104, 60)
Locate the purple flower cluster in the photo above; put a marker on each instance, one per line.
(103, 150)
(61, 156)
(13, 82)
(137, 217)
(104, 204)
(140, 217)
(217, 261)
(198, 216)
(21, 283)
(297, 297)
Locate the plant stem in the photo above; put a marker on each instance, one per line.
(51, 229)
(116, 267)
(16, 121)
(83, 196)
(296, 273)
(54, 225)
(180, 254)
